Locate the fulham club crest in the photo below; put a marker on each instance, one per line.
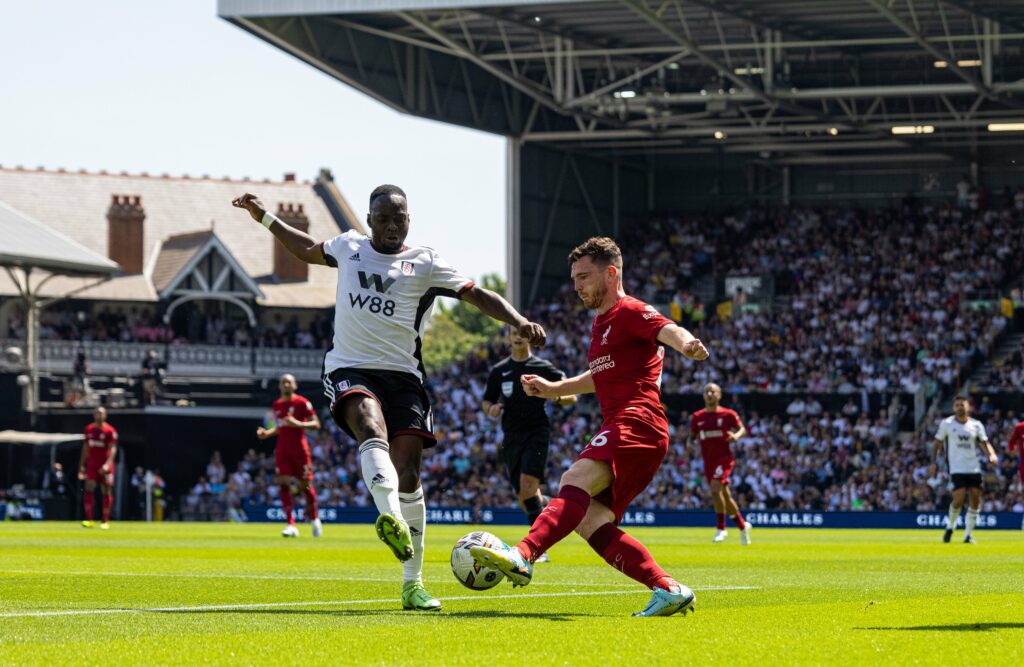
(407, 268)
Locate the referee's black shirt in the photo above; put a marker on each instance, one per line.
(520, 412)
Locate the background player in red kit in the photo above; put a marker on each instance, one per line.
(1017, 444)
(97, 465)
(293, 414)
(716, 428)
(618, 463)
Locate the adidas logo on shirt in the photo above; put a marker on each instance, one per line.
(355, 257)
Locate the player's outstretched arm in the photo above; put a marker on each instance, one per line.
(683, 342)
(496, 307)
(297, 242)
(734, 436)
(535, 385)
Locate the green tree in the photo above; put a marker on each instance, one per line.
(446, 341)
(472, 320)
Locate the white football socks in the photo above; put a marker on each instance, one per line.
(954, 514)
(380, 476)
(972, 521)
(414, 511)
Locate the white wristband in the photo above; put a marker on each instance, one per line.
(268, 219)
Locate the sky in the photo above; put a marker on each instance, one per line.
(167, 86)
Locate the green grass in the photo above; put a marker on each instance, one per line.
(816, 597)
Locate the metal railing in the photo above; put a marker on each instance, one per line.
(110, 358)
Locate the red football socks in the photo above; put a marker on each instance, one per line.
(720, 521)
(628, 556)
(286, 503)
(90, 500)
(558, 519)
(108, 501)
(740, 523)
(312, 512)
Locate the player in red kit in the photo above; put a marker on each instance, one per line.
(618, 463)
(293, 414)
(97, 465)
(1016, 444)
(716, 428)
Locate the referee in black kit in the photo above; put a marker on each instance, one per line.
(523, 419)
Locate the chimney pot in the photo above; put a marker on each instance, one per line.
(125, 230)
(289, 177)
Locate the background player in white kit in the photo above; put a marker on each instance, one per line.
(374, 372)
(961, 436)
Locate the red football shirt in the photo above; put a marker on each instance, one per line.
(1017, 440)
(292, 437)
(712, 431)
(99, 440)
(625, 357)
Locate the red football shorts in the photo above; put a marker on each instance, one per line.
(293, 462)
(634, 444)
(93, 474)
(718, 468)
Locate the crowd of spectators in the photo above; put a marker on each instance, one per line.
(883, 300)
(145, 325)
(805, 460)
(865, 301)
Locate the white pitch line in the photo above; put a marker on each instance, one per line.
(280, 577)
(323, 603)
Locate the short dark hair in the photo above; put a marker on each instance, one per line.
(386, 190)
(961, 398)
(601, 249)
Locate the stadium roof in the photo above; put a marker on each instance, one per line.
(749, 76)
(29, 244)
(75, 203)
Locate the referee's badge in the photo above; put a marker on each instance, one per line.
(506, 388)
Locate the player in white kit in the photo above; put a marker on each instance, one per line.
(961, 437)
(374, 373)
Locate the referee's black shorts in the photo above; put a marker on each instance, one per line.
(402, 398)
(525, 453)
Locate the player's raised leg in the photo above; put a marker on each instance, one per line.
(561, 517)
(629, 556)
(407, 452)
(365, 419)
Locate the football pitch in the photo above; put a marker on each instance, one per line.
(190, 594)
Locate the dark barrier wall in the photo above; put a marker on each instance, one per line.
(664, 518)
(634, 517)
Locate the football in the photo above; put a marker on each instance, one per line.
(466, 570)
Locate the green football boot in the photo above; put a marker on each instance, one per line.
(414, 596)
(395, 533)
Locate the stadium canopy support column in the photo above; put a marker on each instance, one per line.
(513, 223)
(787, 186)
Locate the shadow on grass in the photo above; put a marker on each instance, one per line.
(955, 627)
(547, 616)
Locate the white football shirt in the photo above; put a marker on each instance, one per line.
(961, 442)
(384, 302)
